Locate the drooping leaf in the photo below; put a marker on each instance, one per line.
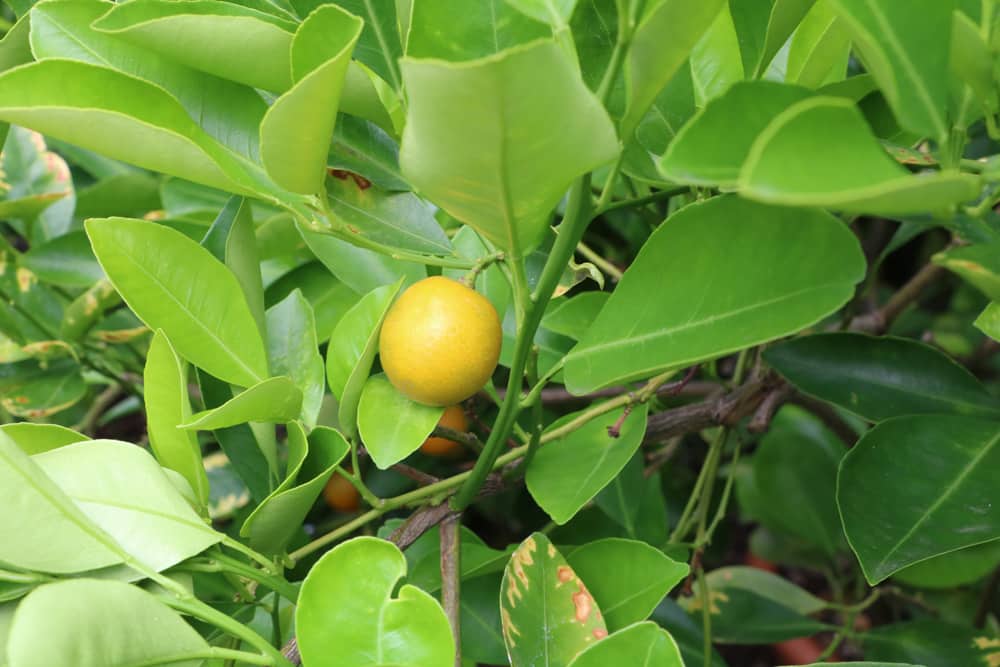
(389, 441)
(879, 378)
(165, 279)
(855, 173)
(941, 490)
(548, 615)
(568, 472)
(463, 126)
(276, 399)
(715, 304)
(639, 645)
(167, 407)
(347, 615)
(102, 624)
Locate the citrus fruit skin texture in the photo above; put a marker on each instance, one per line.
(440, 342)
(341, 495)
(453, 418)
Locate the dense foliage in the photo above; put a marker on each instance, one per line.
(744, 257)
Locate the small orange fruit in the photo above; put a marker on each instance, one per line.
(453, 418)
(341, 495)
(440, 342)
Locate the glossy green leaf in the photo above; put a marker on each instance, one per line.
(364, 148)
(393, 219)
(296, 131)
(930, 642)
(276, 399)
(293, 350)
(878, 378)
(329, 297)
(795, 465)
(571, 316)
(390, 440)
(639, 645)
(54, 535)
(37, 438)
(379, 47)
(66, 261)
(214, 37)
(491, 283)
(130, 194)
(819, 49)
(35, 390)
(454, 31)
(360, 269)
(482, 637)
(347, 615)
(229, 112)
(989, 321)
(167, 407)
(664, 38)
(124, 492)
(312, 462)
(971, 60)
(953, 569)
(691, 318)
(353, 347)
(119, 116)
(569, 471)
(906, 47)
(711, 148)
(15, 49)
(784, 18)
(548, 615)
(977, 264)
(716, 62)
(101, 624)
(855, 173)
(85, 311)
(627, 578)
(766, 585)
(463, 124)
(687, 632)
(941, 490)
(174, 284)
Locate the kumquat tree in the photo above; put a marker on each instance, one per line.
(530, 333)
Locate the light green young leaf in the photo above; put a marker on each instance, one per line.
(716, 62)
(347, 615)
(390, 440)
(785, 16)
(855, 174)
(819, 49)
(296, 131)
(464, 125)
(456, 31)
(640, 645)
(37, 438)
(293, 350)
(167, 407)
(214, 37)
(201, 308)
(273, 400)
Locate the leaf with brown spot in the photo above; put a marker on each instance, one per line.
(548, 615)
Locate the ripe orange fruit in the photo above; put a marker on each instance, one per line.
(453, 418)
(440, 342)
(341, 495)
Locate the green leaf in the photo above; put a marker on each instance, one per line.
(929, 642)
(879, 378)
(692, 319)
(393, 219)
(273, 400)
(293, 350)
(279, 517)
(950, 570)
(627, 578)
(795, 465)
(201, 309)
(989, 321)
(101, 624)
(390, 440)
(359, 268)
(379, 47)
(941, 490)
(124, 492)
(353, 347)
(711, 148)
(53, 534)
(568, 472)
(855, 173)
(130, 194)
(454, 31)
(364, 148)
(66, 261)
(329, 297)
(784, 18)
(716, 62)
(819, 49)
(571, 316)
(167, 407)
(15, 49)
(482, 636)
(464, 125)
(977, 264)
(37, 438)
(347, 615)
(35, 390)
(121, 117)
(766, 585)
(229, 112)
(664, 38)
(639, 645)
(214, 37)
(687, 632)
(906, 48)
(296, 131)
(548, 615)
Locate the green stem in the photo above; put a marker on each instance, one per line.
(198, 609)
(706, 617)
(604, 265)
(253, 555)
(642, 201)
(277, 584)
